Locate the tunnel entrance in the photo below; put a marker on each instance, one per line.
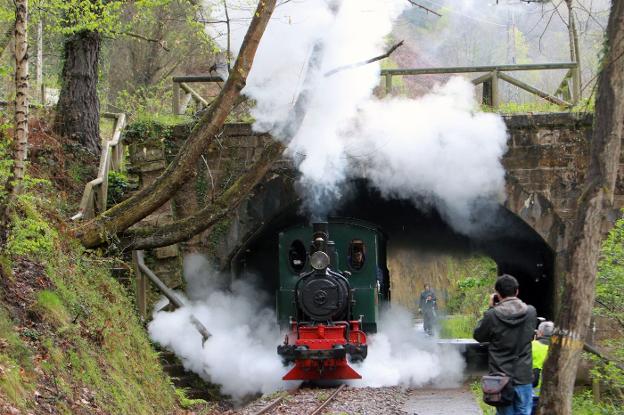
(515, 247)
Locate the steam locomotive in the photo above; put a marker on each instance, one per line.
(329, 296)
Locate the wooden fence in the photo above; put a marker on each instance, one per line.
(96, 191)
(183, 93)
(567, 94)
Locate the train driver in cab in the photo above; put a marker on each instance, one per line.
(356, 259)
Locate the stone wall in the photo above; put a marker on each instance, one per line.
(545, 162)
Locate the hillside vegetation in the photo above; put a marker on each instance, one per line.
(70, 340)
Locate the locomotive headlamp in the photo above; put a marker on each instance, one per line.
(319, 260)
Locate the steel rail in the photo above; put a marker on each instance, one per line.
(319, 409)
(265, 409)
(274, 403)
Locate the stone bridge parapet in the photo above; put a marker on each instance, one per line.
(545, 165)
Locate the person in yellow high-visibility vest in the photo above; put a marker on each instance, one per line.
(539, 348)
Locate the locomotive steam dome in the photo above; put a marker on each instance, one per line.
(323, 297)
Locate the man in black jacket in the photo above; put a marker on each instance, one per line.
(508, 327)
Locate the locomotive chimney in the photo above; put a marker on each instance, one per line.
(320, 236)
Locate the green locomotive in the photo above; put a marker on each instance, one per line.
(333, 280)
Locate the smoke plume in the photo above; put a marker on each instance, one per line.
(400, 355)
(438, 150)
(241, 354)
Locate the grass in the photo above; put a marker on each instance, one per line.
(50, 307)
(16, 381)
(78, 328)
(457, 327)
(538, 107)
(476, 390)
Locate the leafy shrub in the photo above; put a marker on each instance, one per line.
(117, 187)
(30, 233)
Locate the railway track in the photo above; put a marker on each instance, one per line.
(318, 410)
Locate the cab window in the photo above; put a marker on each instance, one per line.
(297, 256)
(357, 254)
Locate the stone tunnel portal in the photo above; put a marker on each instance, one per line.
(515, 247)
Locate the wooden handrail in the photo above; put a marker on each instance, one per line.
(140, 268)
(490, 79)
(470, 69)
(183, 93)
(96, 191)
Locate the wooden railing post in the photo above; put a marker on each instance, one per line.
(576, 85)
(495, 96)
(94, 197)
(176, 98)
(388, 83)
(486, 96)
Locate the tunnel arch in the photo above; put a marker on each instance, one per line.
(516, 247)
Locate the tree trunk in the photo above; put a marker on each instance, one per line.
(574, 53)
(184, 229)
(78, 110)
(590, 226)
(39, 63)
(122, 216)
(13, 185)
(20, 143)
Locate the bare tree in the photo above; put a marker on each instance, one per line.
(182, 168)
(590, 225)
(21, 94)
(13, 185)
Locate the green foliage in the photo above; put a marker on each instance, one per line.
(50, 307)
(117, 187)
(14, 355)
(105, 330)
(458, 327)
(86, 335)
(477, 392)
(145, 101)
(610, 281)
(583, 404)
(473, 285)
(586, 105)
(146, 128)
(6, 163)
(31, 233)
(186, 402)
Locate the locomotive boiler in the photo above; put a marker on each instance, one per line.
(330, 295)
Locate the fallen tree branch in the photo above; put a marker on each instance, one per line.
(120, 217)
(185, 229)
(366, 62)
(424, 8)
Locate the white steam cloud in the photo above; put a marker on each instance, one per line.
(400, 355)
(241, 355)
(438, 150)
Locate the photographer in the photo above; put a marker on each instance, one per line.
(508, 326)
